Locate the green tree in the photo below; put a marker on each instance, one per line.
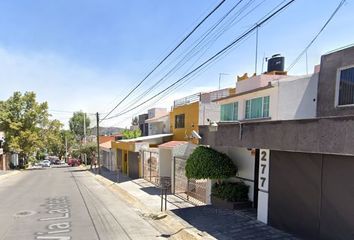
(207, 163)
(22, 119)
(76, 124)
(53, 142)
(129, 134)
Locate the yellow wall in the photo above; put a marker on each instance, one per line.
(191, 113)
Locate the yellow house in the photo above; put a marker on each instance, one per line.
(190, 112)
(128, 152)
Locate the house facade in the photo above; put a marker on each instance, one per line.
(190, 112)
(158, 121)
(303, 167)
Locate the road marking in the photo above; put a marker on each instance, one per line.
(61, 206)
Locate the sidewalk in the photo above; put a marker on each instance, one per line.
(8, 173)
(204, 222)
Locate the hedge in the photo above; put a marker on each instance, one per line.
(207, 163)
(233, 192)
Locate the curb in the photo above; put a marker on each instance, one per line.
(7, 175)
(182, 229)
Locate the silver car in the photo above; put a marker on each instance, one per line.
(46, 163)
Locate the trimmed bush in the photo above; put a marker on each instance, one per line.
(233, 192)
(207, 163)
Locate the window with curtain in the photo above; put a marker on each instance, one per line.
(257, 108)
(346, 87)
(229, 112)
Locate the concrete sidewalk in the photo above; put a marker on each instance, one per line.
(194, 222)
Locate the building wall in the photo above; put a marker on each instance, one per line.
(324, 135)
(160, 127)
(156, 112)
(272, 92)
(327, 83)
(245, 162)
(209, 111)
(297, 98)
(191, 112)
(165, 157)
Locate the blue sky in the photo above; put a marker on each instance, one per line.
(87, 54)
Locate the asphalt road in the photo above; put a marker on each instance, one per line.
(66, 203)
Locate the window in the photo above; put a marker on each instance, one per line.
(229, 112)
(346, 86)
(257, 108)
(179, 121)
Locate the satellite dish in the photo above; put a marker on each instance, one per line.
(196, 135)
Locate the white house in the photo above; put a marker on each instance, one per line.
(262, 98)
(158, 121)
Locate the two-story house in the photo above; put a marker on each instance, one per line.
(302, 167)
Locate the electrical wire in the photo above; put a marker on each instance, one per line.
(266, 18)
(341, 3)
(163, 60)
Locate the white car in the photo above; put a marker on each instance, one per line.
(46, 163)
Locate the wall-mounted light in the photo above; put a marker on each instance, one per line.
(213, 126)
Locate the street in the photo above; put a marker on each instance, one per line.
(65, 203)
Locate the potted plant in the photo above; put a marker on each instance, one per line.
(231, 195)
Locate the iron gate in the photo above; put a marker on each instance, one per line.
(192, 190)
(151, 166)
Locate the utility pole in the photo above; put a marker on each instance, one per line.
(66, 148)
(256, 57)
(85, 157)
(98, 142)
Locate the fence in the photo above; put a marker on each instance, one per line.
(195, 191)
(151, 166)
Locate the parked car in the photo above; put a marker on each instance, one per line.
(45, 163)
(72, 162)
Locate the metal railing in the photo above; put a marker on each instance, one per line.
(187, 100)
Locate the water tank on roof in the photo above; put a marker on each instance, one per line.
(276, 63)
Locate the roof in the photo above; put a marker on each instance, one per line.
(146, 137)
(155, 119)
(243, 93)
(172, 144)
(107, 145)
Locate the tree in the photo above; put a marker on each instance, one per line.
(129, 134)
(22, 119)
(52, 137)
(76, 124)
(207, 163)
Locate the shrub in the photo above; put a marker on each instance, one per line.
(207, 163)
(233, 192)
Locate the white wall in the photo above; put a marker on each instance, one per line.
(165, 162)
(296, 97)
(208, 110)
(245, 163)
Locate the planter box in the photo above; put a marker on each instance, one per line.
(221, 203)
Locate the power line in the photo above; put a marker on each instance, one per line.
(215, 56)
(341, 3)
(199, 43)
(167, 56)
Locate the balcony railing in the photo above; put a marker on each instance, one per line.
(187, 100)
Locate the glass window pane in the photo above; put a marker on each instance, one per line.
(256, 108)
(235, 116)
(248, 109)
(266, 106)
(227, 112)
(346, 87)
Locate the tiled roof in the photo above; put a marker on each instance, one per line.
(172, 144)
(107, 144)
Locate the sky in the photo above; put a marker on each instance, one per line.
(87, 54)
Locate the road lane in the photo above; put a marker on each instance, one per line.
(65, 203)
